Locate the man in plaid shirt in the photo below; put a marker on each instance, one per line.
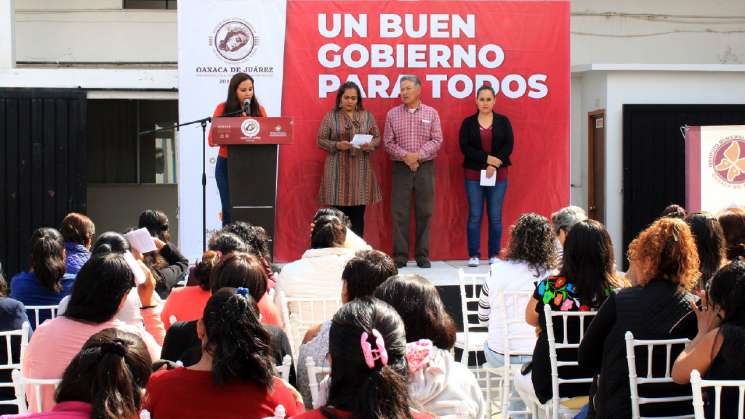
(412, 137)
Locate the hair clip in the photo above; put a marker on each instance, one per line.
(242, 291)
(370, 354)
(113, 348)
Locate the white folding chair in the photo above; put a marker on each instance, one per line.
(34, 312)
(635, 381)
(300, 314)
(19, 384)
(313, 379)
(697, 384)
(584, 317)
(10, 364)
(470, 340)
(284, 368)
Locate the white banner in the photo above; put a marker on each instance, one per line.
(216, 39)
(722, 167)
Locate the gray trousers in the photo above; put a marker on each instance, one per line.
(422, 184)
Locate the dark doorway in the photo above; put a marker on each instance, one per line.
(596, 165)
(43, 165)
(654, 158)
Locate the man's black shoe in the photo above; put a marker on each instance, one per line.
(423, 263)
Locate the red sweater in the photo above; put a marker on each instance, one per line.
(185, 394)
(218, 111)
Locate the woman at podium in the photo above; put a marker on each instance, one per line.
(349, 134)
(241, 101)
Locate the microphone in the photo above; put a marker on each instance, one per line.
(247, 106)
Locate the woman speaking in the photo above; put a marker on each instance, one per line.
(240, 97)
(486, 142)
(348, 181)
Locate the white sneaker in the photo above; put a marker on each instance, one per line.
(493, 260)
(473, 262)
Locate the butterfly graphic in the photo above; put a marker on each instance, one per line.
(732, 162)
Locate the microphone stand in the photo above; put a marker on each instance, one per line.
(203, 123)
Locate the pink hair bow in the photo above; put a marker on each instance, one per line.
(370, 354)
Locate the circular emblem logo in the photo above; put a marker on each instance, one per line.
(250, 127)
(728, 160)
(235, 40)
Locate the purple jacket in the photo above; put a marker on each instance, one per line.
(77, 255)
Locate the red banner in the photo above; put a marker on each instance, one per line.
(519, 47)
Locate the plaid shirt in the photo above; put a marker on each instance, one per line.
(411, 132)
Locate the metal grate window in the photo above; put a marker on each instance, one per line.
(150, 4)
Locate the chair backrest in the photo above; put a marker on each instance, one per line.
(698, 384)
(314, 381)
(516, 329)
(37, 314)
(584, 318)
(651, 377)
(470, 285)
(15, 342)
(300, 314)
(20, 383)
(284, 368)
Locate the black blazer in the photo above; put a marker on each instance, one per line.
(470, 141)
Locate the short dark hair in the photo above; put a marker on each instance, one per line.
(485, 87)
(328, 231)
(344, 87)
(47, 260)
(77, 228)
(240, 270)
(99, 288)
(365, 271)
(331, 211)
(110, 372)
(225, 242)
(156, 223)
(420, 307)
(674, 211)
(255, 237)
(110, 242)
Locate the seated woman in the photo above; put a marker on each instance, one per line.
(663, 268)
(78, 232)
(437, 383)
(586, 279)
(710, 244)
(45, 283)
(234, 377)
(531, 256)
(167, 263)
(237, 270)
(732, 221)
(12, 317)
(363, 273)
(187, 303)
(716, 351)
(317, 274)
(257, 240)
(352, 240)
(100, 289)
(105, 380)
(367, 346)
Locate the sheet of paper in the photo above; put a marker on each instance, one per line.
(141, 240)
(488, 181)
(135, 267)
(361, 139)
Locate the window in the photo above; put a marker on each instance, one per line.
(150, 4)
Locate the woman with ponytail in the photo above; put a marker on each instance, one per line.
(367, 347)
(105, 380)
(234, 377)
(45, 283)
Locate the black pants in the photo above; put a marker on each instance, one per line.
(356, 214)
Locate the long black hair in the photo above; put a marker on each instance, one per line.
(232, 104)
(377, 392)
(99, 288)
(47, 257)
(727, 291)
(156, 223)
(328, 231)
(110, 372)
(710, 243)
(589, 262)
(236, 341)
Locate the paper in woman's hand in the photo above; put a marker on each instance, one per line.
(141, 241)
(135, 268)
(488, 181)
(361, 139)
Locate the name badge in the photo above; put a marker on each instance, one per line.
(426, 121)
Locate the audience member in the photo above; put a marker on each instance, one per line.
(45, 283)
(12, 317)
(362, 274)
(352, 240)
(187, 303)
(663, 268)
(78, 232)
(367, 346)
(732, 221)
(234, 376)
(236, 270)
(437, 383)
(257, 241)
(586, 279)
(716, 351)
(167, 262)
(105, 380)
(564, 219)
(317, 274)
(100, 289)
(674, 211)
(710, 244)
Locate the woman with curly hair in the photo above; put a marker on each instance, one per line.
(530, 258)
(663, 269)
